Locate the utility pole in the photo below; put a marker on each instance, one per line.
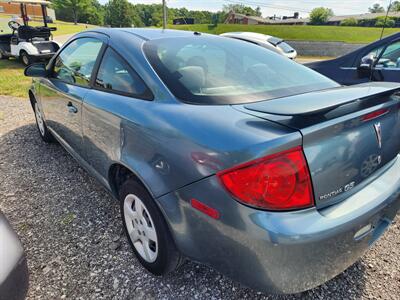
(164, 23)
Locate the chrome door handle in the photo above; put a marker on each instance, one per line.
(71, 108)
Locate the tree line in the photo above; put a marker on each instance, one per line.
(121, 13)
(321, 15)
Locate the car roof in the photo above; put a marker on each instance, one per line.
(146, 33)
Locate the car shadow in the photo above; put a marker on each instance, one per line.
(72, 233)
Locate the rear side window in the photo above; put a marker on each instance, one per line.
(75, 63)
(115, 75)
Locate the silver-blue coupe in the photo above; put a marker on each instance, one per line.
(226, 153)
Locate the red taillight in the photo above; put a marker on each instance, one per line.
(375, 114)
(276, 182)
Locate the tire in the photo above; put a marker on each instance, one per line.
(2, 56)
(44, 133)
(141, 216)
(26, 58)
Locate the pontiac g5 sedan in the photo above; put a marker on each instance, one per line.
(226, 153)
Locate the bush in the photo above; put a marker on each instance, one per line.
(320, 15)
(349, 22)
(380, 22)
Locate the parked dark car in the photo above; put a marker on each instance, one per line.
(225, 153)
(379, 61)
(13, 265)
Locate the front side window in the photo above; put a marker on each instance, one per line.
(115, 75)
(212, 70)
(75, 63)
(391, 56)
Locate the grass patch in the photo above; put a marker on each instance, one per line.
(12, 79)
(354, 35)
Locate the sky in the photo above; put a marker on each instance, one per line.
(274, 7)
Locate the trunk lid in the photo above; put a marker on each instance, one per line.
(349, 134)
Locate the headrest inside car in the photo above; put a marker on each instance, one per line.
(192, 77)
(258, 74)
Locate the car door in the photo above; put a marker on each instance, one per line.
(385, 62)
(117, 90)
(63, 91)
(363, 70)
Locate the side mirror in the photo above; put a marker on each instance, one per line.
(366, 66)
(36, 70)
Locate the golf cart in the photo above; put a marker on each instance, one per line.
(28, 43)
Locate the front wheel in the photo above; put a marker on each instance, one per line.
(44, 132)
(147, 230)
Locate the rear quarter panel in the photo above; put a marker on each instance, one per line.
(169, 145)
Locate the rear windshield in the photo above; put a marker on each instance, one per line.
(285, 47)
(274, 41)
(215, 70)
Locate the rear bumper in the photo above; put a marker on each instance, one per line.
(281, 252)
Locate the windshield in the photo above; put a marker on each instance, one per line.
(214, 70)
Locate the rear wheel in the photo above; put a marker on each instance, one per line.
(147, 230)
(26, 58)
(41, 125)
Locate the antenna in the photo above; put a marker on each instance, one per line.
(387, 14)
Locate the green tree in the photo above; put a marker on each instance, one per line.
(94, 14)
(119, 13)
(349, 22)
(376, 8)
(242, 9)
(320, 15)
(395, 6)
(199, 16)
(149, 14)
(74, 7)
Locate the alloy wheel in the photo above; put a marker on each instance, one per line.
(39, 119)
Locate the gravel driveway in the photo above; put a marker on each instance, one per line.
(72, 233)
